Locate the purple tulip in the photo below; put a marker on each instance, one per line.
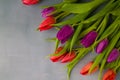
(101, 46)
(45, 12)
(114, 54)
(65, 33)
(89, 39)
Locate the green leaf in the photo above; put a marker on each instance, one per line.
(103, 25)
(75, 36)
(56, 44)
(69, 1)
(109, 30)
(81, 7)
(73, 20)
(93, 27)
(102, 12)
(116, 12)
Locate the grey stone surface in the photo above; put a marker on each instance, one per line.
(23, 49)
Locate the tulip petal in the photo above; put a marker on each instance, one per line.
(65, 33)
(57, 58)
(45, 12)
(109, 75)
(114, 54)
(69, 57)
(101, 46)
(89, 39)
(86, 68)
(46, 24)
(30, 2)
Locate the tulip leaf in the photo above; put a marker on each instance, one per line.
(103, 25)
(93, 27)
(114, 33)
(75, 36)
(108, 31)
(118, 44)
(81, 7)
(69, 1)
(72, 20)
(56, 44)
(116, 12)
(102, 12)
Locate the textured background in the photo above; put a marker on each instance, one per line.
(23, 50)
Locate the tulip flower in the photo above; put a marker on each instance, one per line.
(69, 57)
(89, 39)
(109, 75)
(57, 58)
(114, 54)
(45, 12)
(30, 2)
(101, 46)
(65, 33)
(47, 23)
(86, 68)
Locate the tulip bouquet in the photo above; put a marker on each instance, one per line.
(83, 28)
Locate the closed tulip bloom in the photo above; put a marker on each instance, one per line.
(30, 2)
(68, 57)
(89, 39)
(114, 54)
(47, 23)
(109, 75)
(57, 58)
(45, 12)
(86, 68)
(65, 33)
(101, 46)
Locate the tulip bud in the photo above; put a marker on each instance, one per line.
(57, 58)
(101, 46)
(114, 54)
(69, 57)
(109, 75)
(86, 68)
(89, 39)
(30, 2)
(45, 12)
(47, 23)
(65, 33)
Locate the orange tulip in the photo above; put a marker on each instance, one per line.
(86, 68)
(109, 75)
(57, 58)
(47, 23)
(68, 57)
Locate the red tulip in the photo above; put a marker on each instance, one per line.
(30, 2)
(109, 75)
(57, 58)
(69, 57)
(86, 68)
(47, 23)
